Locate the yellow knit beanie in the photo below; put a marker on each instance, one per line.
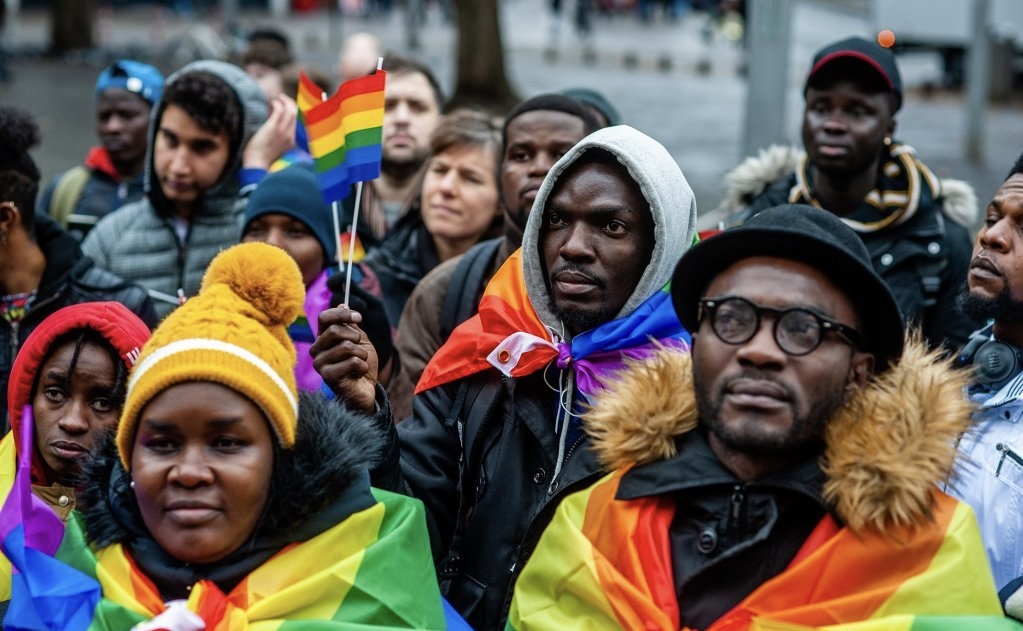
(235, 333)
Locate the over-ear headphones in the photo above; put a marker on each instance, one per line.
(995, 361)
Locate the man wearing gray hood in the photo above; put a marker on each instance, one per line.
(495, 442)
(210, 123)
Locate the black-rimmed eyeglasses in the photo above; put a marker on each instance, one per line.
(797, 330)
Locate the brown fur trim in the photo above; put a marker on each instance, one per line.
(637, 419)
(886, 449)
(895, 440)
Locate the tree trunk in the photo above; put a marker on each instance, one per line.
(71, 25)
(482, 81)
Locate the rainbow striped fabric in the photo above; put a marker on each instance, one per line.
(370, 571)
(507, 334)
(608, 562)
(44, 592)
(344, 131)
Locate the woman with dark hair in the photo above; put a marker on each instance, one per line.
(71, 375)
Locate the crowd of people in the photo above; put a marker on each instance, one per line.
(545, 401)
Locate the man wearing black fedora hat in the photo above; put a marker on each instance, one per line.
(784, 473)
(913, 223)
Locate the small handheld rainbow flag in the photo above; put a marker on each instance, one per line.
(345, 132)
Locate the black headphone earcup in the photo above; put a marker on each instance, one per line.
(995, 362)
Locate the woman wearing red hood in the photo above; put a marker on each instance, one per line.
(72, 370)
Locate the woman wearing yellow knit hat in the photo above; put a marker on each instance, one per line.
(231, 499)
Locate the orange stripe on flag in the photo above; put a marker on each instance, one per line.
(309, 94)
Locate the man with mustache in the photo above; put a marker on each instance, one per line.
(783, 474)
(913, 223)
(495, 441)
(990, 476)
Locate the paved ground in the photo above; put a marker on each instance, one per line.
(651, 72)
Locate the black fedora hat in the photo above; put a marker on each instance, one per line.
(809, 235)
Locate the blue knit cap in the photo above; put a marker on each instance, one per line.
(133, 76)
(294, 191)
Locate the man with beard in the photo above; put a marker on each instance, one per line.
(912, 222)
(535, 134)
(990, 476)
(783, 475)
(494, 441)
(412, 106)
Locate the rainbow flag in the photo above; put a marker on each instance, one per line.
(372, 570)
(507, 334)
(46, 594)
(345, 132)
(608, 561)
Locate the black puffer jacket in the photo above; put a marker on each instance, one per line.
(70, 278)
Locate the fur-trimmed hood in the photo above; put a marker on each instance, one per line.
(885, 449)
(334, 448)
(755, 173)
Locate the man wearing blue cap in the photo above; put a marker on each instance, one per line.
(111, 175)
(913, 223)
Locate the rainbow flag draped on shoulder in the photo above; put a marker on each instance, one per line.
(370, 571)
(507, 334)
(44, 592)
(608, 561)
(344, 132)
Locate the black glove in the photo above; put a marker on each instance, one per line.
(374, 317)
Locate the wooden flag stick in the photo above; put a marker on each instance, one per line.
(351, 240)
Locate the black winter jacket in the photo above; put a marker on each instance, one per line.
(70, 278)
(401, 260)
(504, 425)
(924, 262)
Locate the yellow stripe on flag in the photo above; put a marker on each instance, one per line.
(580, 593)
(324, 139)
(282, 588)
(114, 572)
(961, 555)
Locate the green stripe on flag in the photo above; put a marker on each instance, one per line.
(396, 575)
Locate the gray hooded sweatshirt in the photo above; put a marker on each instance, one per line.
(138, 242)
(672, 205)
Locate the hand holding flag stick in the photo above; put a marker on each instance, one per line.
(345, 135)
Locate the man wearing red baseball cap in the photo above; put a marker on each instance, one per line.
(913, 223)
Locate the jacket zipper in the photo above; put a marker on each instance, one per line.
(737, 500)
(552, 488)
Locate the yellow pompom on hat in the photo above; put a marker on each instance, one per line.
(234, 333)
